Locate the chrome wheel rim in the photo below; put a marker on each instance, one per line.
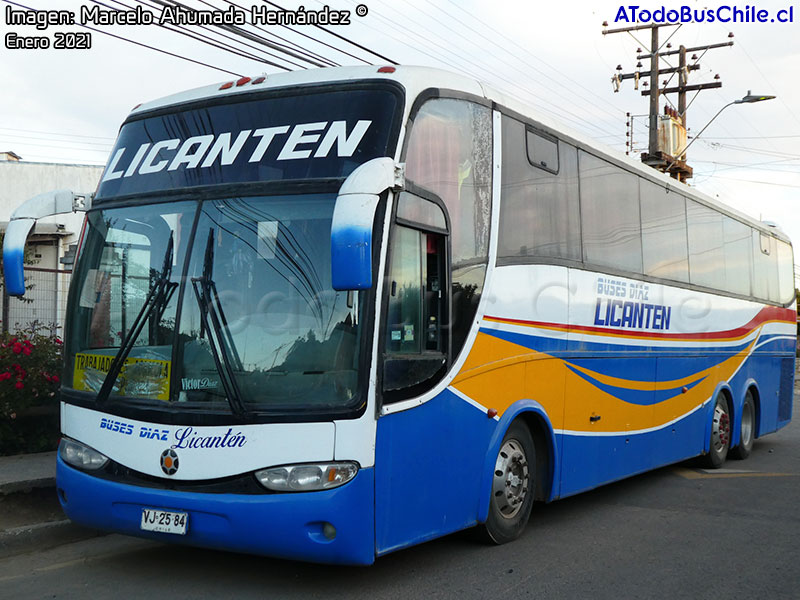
(721, 430)
(510, 485)
(747, 425)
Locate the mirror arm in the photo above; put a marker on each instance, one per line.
(20, 225)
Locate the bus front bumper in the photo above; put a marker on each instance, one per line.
(289, 525)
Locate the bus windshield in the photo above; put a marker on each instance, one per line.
(259, 265)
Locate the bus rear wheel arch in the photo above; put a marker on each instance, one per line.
(513, 485)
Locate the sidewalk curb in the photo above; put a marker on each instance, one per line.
(41, 536)
(14, 487)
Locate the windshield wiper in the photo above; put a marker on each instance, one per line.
(158, 296)
(219, 337)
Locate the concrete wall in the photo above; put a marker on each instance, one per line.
(22, 180)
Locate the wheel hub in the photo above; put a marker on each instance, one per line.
(721, 430)
(510, 485)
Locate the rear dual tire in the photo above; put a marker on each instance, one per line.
(747, 429)
(720, 434)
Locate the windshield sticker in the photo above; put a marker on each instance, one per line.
(140, 377)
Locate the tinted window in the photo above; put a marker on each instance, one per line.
(450, 153)
(610, 215)
(738, 256)
(765, 267)
(664, 248)
(785, 272)
(405, 297)
(539, 213)
(542, 151)
(706, 255)
(418, 210)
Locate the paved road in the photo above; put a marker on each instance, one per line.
(677, 532)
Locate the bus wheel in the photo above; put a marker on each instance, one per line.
(747, 432)
(720, 433)
(512, 485)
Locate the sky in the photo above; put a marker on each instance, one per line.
(67, 105)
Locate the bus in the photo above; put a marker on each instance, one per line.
(330, 314)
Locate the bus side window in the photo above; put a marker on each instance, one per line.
(449, 154)
(416, 341)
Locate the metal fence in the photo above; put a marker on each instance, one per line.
(44, 303)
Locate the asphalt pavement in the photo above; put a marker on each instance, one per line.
(677, 532)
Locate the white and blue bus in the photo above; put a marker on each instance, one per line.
(330, 314)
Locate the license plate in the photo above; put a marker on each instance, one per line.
(164, 521)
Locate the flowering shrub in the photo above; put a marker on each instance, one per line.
(30, 363)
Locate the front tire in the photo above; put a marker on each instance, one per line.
(513, 485)
(720, 434)
(747, 430)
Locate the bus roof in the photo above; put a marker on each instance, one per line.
(417, 79)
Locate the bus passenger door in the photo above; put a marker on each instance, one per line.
(429, 456)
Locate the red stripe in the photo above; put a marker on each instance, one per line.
(768, 313)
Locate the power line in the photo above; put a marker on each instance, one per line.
(559, 72)
(341, 37)
(107, 145)
(243, 33)
(571, 91)
(293, 45)
(752, 137)
(69, 147)
(205, 39)
(789, 185)
(77, 135)
(487, 74)
(750, 149)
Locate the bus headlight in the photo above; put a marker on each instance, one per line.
(307, 478)
(81, 456)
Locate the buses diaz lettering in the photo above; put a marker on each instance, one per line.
(300, 141)
(189, 438)
(184, 438)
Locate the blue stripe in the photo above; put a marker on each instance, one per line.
(632, 396)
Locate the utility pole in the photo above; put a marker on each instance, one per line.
(665, 138)
(652, 145)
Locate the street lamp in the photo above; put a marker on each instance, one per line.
(750, 98)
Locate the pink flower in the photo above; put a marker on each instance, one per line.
(4, 376)
(55, 379)
(17, 348)
(19, 385)
(26, 350)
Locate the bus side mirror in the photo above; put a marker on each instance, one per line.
(22, 221)
(353, 219)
